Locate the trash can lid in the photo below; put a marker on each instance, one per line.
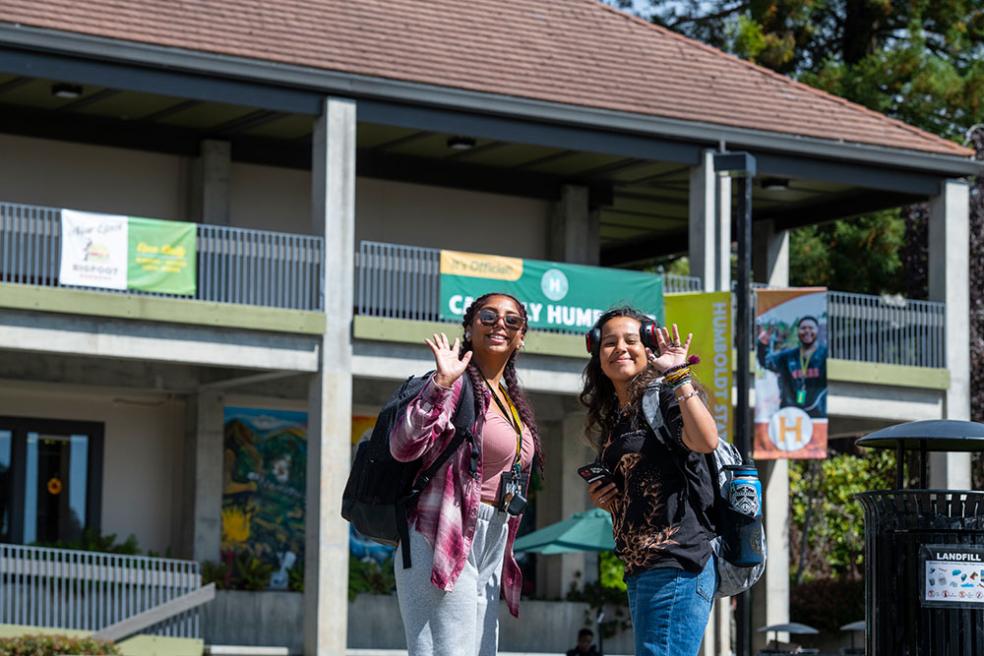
(938, 435)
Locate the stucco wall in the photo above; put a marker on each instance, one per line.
(142, 455)
(117, 180)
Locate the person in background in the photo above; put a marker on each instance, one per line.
(802, 370)
(585, 644)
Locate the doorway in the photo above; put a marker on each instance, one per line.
(50, 480)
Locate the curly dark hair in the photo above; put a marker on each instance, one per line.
(509, 374)
(598, 393)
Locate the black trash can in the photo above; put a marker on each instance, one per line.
(924, 552)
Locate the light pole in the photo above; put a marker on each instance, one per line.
(741, 166)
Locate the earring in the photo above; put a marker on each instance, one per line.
(522, 344)
(467, 334)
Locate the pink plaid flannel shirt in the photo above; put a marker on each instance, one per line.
(447, 510)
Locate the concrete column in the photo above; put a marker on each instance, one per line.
(770, 254)
(710, 225)
(563, 495)
(210, 183)
(770, 596)
(949, 276)
(574, 228)
(202, 498)
(326, 550)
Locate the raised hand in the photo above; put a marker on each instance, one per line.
(449, 365)
(672, 352)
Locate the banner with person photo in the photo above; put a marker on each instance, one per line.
(791, 373)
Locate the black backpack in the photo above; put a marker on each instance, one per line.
(380, 490)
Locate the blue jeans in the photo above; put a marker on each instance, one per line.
(670, 608)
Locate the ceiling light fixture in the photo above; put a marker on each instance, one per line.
(461, 143)
(775, 184)
(67, 91)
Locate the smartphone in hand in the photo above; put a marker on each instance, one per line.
(595, 472)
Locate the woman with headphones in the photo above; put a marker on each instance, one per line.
(651, 427)
(466, 519)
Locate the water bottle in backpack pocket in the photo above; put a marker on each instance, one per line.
(740, 526)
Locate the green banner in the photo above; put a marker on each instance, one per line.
(161, 256)
(556, 295)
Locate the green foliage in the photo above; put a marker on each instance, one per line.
(369, 577)
(827, 604)
(241, 571)
(295, 577)
(824, 491)
(607, 593)
(54, 645)
(93, 541)
(861, 255)
(612, 571)
(218, 573)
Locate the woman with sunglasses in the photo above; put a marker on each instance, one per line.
(651, 427)
(464, 525)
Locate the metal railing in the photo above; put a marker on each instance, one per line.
(886, 330)
(402, 282)
(234, 265)
(67, 589)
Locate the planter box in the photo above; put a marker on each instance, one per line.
(275, 619)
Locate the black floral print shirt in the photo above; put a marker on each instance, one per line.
(658, 521)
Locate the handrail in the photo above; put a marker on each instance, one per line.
(86, 590)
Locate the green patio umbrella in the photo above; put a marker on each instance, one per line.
(584, 531)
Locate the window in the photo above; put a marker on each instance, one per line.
(50, 479)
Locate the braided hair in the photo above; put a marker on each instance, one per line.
(508, 375)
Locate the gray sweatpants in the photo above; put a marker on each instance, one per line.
(464, 622)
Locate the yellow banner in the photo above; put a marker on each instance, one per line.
(477, 265)
(708, 317)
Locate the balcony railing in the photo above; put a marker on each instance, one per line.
(402, 282)
(234, 265)
(67, 589)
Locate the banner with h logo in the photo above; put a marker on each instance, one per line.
(791, 373)
(557, 296)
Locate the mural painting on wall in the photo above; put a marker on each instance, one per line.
(265, 462)
(791, 373)
(361, 547)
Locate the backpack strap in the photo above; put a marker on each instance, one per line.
(463, 421)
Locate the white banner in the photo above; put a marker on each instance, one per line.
(93, 250)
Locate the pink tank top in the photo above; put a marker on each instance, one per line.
(499, 450)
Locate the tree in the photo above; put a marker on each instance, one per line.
(916, 60)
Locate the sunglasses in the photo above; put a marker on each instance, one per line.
(489, 317)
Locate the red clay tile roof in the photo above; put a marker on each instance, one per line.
(576, 52)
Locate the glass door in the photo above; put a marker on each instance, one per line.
(53, 472)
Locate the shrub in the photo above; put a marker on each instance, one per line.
(54, 645)
(369, 577)
(827, 604)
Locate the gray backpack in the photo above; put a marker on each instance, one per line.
(732, 579)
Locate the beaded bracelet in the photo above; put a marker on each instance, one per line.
(677, 384)
(677, 375)
(688, 395)
(676, 368)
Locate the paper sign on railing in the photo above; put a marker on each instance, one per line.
(109, 251)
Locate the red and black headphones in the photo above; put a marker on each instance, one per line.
(647, 332)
